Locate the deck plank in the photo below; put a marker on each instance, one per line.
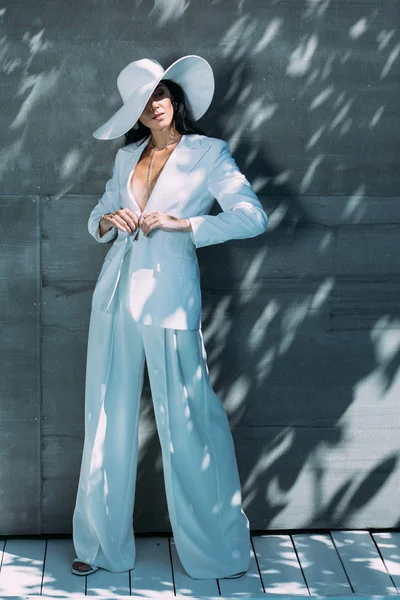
(311, 564)
(106, 584)
(247, 586)
(57, 577)
(389, 546)
(280, 570)
(22, 567)
(152, 575)
(322, 569)
(184, 584)
(364, 567)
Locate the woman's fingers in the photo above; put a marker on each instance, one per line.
(141, 218)
(118, 222)
(129, 217)
(125, 219)
(148, 223)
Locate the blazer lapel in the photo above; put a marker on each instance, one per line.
(134, 153)
(182, 161)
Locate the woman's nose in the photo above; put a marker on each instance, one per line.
(153, 104)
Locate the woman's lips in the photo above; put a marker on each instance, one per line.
(157, 117)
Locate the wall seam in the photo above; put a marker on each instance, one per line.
(40, 326)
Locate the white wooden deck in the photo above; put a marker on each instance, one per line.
(338, 563)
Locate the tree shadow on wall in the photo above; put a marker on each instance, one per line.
(269, 304)
(276, 313)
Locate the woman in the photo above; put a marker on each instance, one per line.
(147, 307)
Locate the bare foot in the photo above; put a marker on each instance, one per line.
(81, 566)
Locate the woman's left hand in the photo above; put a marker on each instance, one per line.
(157, 220)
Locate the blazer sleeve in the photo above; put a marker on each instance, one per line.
(109, 202)
(243, 215)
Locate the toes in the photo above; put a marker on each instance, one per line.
(81, 566)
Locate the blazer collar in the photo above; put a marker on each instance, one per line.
(182, 161)
(188, 141)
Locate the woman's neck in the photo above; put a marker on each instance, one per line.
(165, 136)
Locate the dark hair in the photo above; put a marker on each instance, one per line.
(184, 122)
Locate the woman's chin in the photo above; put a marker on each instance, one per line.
(160, 125)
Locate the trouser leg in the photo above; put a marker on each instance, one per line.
(211, 530)
(103, 517)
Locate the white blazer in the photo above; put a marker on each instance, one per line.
(165, 282)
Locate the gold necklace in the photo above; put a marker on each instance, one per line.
(154, 149)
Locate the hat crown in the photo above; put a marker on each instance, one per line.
(136, 75)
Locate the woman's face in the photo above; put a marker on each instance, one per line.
(158, 113)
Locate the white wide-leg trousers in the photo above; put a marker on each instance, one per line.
(211, 531)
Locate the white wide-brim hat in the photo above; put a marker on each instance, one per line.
(138, 80)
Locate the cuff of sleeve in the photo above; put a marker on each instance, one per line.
(107, 237)
(196, 223)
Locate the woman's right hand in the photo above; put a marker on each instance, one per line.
(124, 219)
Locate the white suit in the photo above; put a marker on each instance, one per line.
(166, 282)
(147, 307)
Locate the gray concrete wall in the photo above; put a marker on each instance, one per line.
(301, 325)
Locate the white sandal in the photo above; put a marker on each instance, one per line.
(92, 569)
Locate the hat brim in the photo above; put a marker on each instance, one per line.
(192, 73)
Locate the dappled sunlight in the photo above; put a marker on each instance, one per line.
(157, 589)
(376, 117)
(326, 242)
(250, 285)
(290, 103)
(321, 295)
(279, 446)
(19, 573)
(361, 556)
(298, 565)
(341, 116)
(376, 404)
(284, 588)
(309, 174)
(218, 319)
(278, 564)
(301, 57)
(281, 178)
(292, 319)
(259, 329)
(70, 163)
(358, 29)
(271, 31)
(384, 37)
(372, 563)
(302, 345)
(355, 209)
(32, 89)
(168, 11)
(316, 8)
(390, 550)
(320, 564)
(239, 38)
(385, 336)
(40, 86)
(253, 116)
(265, 365)
(206, 460)
(390, 61)
(236, 395)
(296, 313)
(276, 216)
(321, 97)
